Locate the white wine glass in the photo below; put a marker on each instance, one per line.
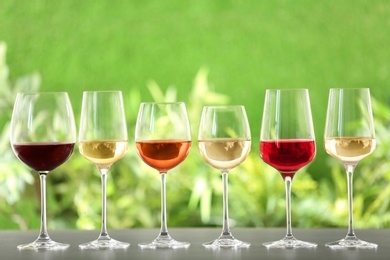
(103, 141)
(43, 135)
(224, 141)
(287, 143)
(349, 137)
(163, 140)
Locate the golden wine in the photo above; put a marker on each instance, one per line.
(224, 153)
(103, 152)
(350, 149)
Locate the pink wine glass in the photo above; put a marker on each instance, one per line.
(163, 140)
(287, 143)
(43, 135)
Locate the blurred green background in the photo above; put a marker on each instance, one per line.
(201, 52)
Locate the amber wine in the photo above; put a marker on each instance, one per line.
(350, 149)
(224, 153)
(103, 152)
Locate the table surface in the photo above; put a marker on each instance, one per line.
(196, 236)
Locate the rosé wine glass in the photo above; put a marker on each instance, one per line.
(349, 137)
(163, 140)
(224, 141)
(103, 141)
(287, 143)
(43, 135)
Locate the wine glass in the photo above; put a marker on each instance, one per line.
(224, 141)
(349, 137)
(287, 143)
(43, 134)
(103, 141)
(163, 140)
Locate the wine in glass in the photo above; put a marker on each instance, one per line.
(349, 137)
(163, 140)
(103, 141)
(43, 134)
(287, 143)
(224, 141)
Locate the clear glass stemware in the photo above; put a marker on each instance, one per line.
(103, 141)
(43, 135)
(349, 137)
(163, 140)
(224, 141)
(287, 143)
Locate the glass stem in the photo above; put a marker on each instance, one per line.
(225, 225)
(104, 233)
(349, 170)
(164, 228)
(43, 234)
(288, 183)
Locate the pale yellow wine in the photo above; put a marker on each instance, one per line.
(224, 153)
(104, 152)
(350, 149)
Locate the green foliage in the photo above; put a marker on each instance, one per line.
(194, 189)
(16, 211)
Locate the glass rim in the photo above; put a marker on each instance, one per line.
(286, 89)
(349, 88)
(102, 91)
(224, 107)
(162, 103)
(42, 92)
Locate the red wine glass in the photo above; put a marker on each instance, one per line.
(224, 142)
(163, 140)
(349, 137)
(103, 141)
(287, 143)
(43, 135)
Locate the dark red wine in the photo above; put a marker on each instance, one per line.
(288, 155)
(43, 157)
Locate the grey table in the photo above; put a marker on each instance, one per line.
(196, 236)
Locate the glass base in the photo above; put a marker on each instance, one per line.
(351, 243)
(226, 243)
(289, 242)
(105, 244)
(46, 244)
(164, 241)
